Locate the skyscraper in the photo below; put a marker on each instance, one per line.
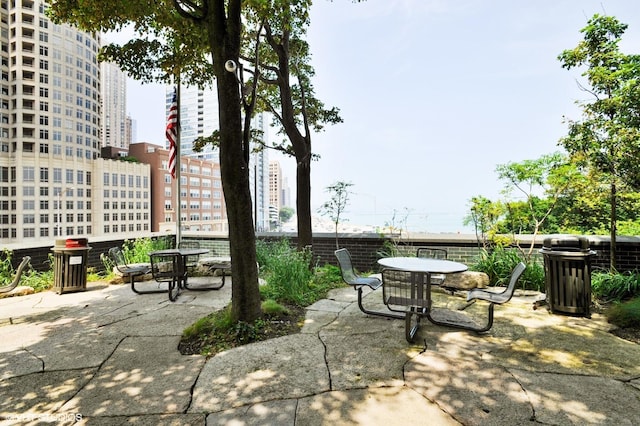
(114, 105)
(199, 118)
(52, 178)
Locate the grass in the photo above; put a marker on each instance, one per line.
(217, 331)
(499, 263)
(291, 285)
(614, 286)
(625, 314)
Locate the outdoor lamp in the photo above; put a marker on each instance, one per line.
(230, 66)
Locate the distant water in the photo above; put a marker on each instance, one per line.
(439, 224)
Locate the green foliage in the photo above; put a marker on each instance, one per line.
(39, 281)
(628, 227)
(6, 269)
(616, 286)
(220, 332)
(271, 307)
(107, 264)
(286, 213)
(288, 276)
(606, 138)
(389, 249)
(137, 251)
(328, 277)
(484, 215)
(499, 262)
(625, 314)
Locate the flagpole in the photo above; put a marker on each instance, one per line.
(178, 204)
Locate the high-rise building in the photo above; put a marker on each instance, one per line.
(52, 179)
(199, 118)
(114, 106)
(259, 176)
(275, 191)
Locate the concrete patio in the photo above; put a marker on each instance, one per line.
(107, 356)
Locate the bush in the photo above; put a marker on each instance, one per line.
(499, 263)
(137, 251)
(6, 269)
(39, 281)
(625, 314)
(609, 286)
(289, 276)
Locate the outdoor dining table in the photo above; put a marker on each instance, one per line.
(423, 265)
(413, 293)
(184, 254)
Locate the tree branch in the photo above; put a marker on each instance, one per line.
(192, 9)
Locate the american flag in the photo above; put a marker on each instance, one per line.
(172, 134)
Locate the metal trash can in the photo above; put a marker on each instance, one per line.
(70, 265)
(567, 274)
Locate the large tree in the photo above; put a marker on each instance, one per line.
(280, 55)
(608, 136)
(179, 35)
(549, 175)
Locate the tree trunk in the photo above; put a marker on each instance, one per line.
(303, 201)
(613, 226)
(224, 40)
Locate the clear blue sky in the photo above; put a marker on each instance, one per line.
(434, 94)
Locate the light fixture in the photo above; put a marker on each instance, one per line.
(230, 66)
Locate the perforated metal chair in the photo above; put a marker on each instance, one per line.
(434, 253)
(192, 260)
(496, 298)
(168, 268)
(132, 271)
(351, 277)
(16, 278)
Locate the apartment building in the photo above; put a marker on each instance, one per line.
(199, 118)
(275, 190)
(200, 201)
(116, 129)
(53, 182)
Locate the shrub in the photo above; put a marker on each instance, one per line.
(6, 270)
(137, 251)
(499, 263)
(287, 274)
(271, 307)
(609, 286)
(289, 277)
(625, 314)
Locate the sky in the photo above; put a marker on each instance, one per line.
(434, 95)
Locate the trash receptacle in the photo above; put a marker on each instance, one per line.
(567, 274)
(70, 265)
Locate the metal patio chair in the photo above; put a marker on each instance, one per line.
(192, 261)
(434, 253)
(351, 277)
(132, 271)
(169, 268)
(496, 298)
